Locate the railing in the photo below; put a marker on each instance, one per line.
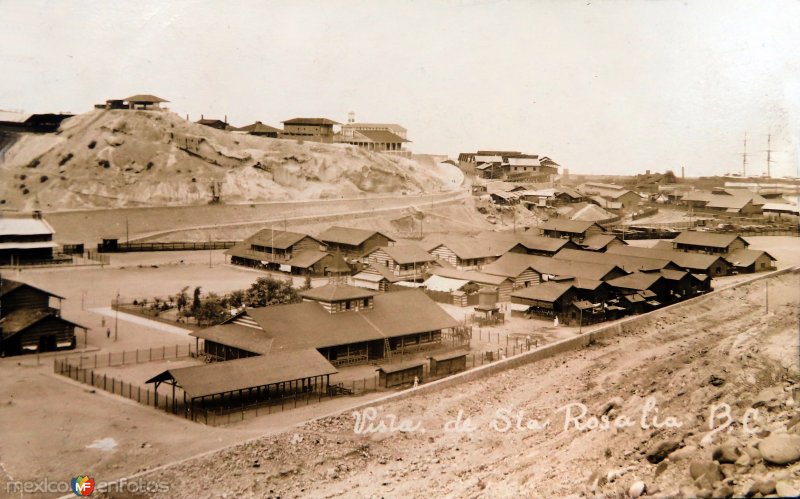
(165, 246)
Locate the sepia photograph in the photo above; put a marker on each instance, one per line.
(399, 249)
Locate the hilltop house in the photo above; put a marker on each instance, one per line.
(312, 129)
(387, 138)
(261, 130)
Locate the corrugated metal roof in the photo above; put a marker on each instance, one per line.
(336, 292)
(28, 226)
(261, 370)
(310, 121)
(709, 239)
(348, 235)
(547, 291)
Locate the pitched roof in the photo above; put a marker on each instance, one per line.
(21, 319)
(382, 136)
(144, 99)
(596, 242)
(306, 259)
(277, 238)
(638, 280)
(547, 291)
(307, 324)
(405, 253)
(710, 239)
(261, 370)
(563, 225)
(528, 241)
(336, 292)
(310, 121)
(523, 161)
(746, 257)
(246, 338)
(348, 235)
(683, 259)
(580, 269)
(9, 285)
(445, 284)
(471, 248)
(509, 265)
(471, 276)
(24, 226)
(627, 263)
(259, 127)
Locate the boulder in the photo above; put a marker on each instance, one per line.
(728, 452)
(780, 448)
(661, 450)
(705, 473)
(637, 489)
(786, 489)
(763, 487)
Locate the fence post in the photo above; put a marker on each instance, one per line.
(150, 355)
(176, 351)
(109, 359)
(164, 352)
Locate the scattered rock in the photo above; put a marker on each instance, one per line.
(780, 448)
(723, 491)
(637, 489)
(683, 453)
(614, 403)
(716, 380)
(786, 489)
(728, 452)
(763, 487)
(744, 460)
(661, 468)
(660, 451)
(705, 473)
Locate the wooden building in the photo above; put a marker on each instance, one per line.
(408, 262)
(709, 242)
(447, 363)
(406, 373)
(501, 284)
(517, 267)
(25, 239)
(353, 243)
(470, 253)
(747, 261)
(347, 325)
(576, 230)
(290, 252)
(611, 193)
(28, 324)
(31, 122)
(311, 129)
(261, 130)
(144, 102)
(549, 299)
(214, 123)
(696, 263)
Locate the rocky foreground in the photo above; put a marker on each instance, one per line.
(700, 400)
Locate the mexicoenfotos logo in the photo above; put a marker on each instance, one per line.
(82, 485)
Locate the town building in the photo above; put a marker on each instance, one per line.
(470, 254)
(737, 202)
(28, 324)
(143, 102)
(290, 252)
(353, 243)
(747, 261)
(696, 263)
(613, 193)
(408, 262)
(575, 230)
(16, 122)
(388, 138)
(25, 239)
(311, 129)
(709, 242)
(214, 123)
(261, 130)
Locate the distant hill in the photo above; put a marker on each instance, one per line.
(116, 158)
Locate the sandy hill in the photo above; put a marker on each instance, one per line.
(144, 158)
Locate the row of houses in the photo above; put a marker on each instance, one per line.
(508, 165)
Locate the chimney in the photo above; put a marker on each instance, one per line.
(226, 118)
(683, 172)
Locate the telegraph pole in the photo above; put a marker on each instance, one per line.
(769, 154)
(744, 157)
(116, 317)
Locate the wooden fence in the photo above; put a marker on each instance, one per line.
(163, 246)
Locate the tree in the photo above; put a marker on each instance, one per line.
(196, 301)
(211, 310)
(268, 291)
(306, 283)
(182, 299)
(670, 178)
(236, 298)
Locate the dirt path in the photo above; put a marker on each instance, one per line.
(717, 349)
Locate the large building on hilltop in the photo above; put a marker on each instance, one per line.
(311, 129)
(387, 138)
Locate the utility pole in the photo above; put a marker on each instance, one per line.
(744, 157)
(769, 154)
(766, 293)
(116, 317)
(127, 233)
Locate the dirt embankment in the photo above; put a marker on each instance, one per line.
(665, 387)
(147, 158)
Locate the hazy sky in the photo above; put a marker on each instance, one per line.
(614, 87)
